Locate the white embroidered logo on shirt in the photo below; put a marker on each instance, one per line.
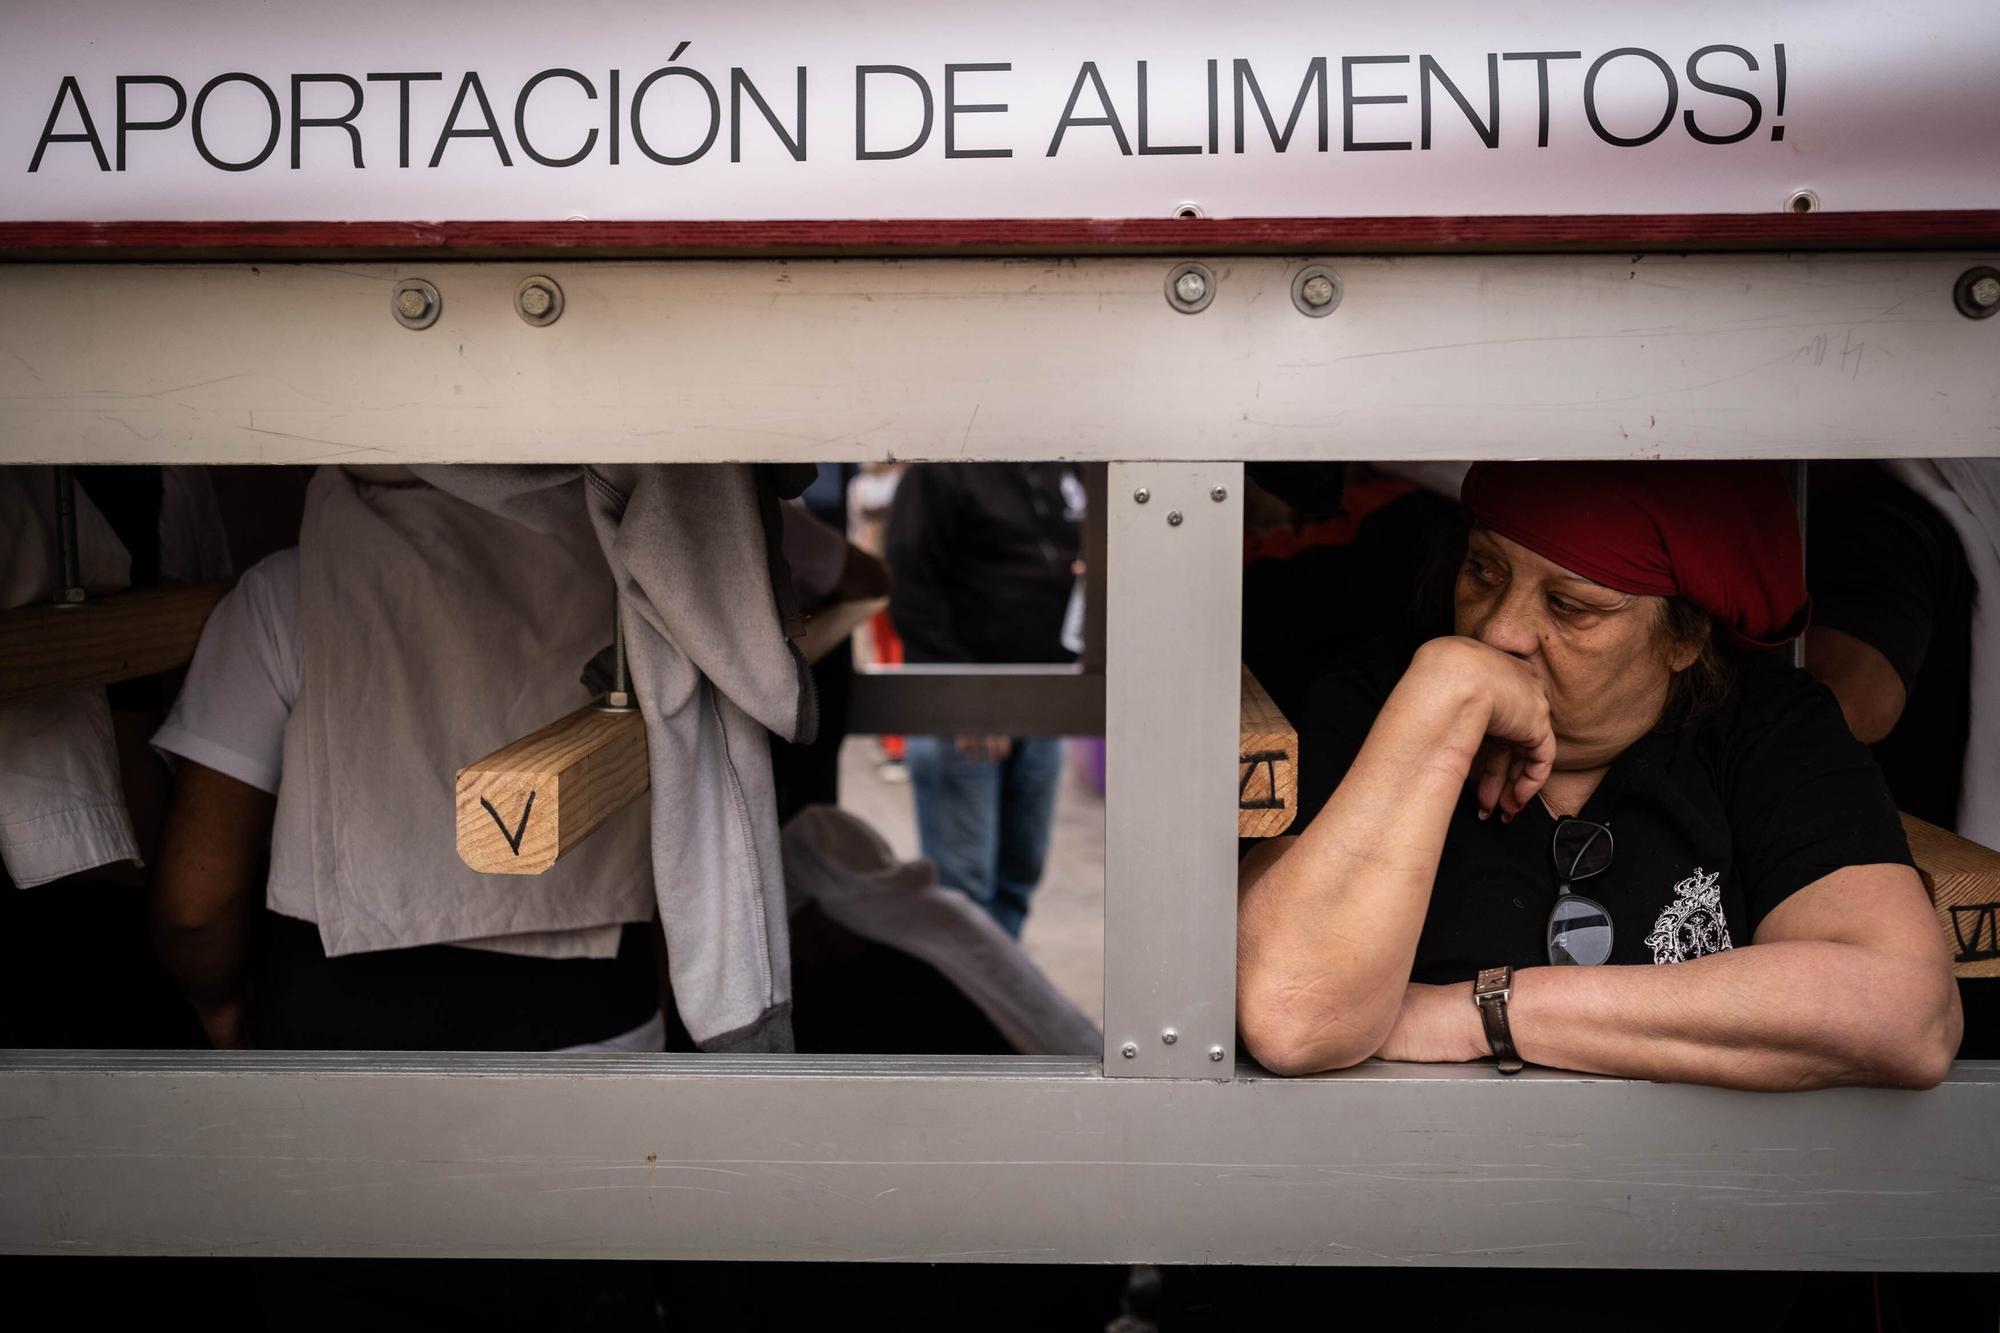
(1692, 925)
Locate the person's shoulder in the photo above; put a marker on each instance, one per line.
(1766, 684)
(1774, 709)
(271, 586)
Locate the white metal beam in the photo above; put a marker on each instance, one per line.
(942, 1160)
(1172, 722)
(694, 361)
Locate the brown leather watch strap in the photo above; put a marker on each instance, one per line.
(1491, 992)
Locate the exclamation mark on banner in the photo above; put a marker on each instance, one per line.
(1778, 130)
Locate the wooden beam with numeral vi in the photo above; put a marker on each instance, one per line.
(526, 804)
(1963, 878)
(1267, 781)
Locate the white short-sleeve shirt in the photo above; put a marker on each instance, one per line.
(244, 679)
(232, 712)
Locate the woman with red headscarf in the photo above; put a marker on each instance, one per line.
(1599, 826)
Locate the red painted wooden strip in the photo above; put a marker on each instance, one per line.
(280, 241)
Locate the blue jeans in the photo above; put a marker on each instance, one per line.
(986, 824)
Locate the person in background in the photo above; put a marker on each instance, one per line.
(1895, 619)
(984, 561)
(869, 494)
(81, 797)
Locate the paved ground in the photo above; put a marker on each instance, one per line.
(1065, 933)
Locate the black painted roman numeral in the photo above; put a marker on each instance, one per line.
(1268, 758)
(1982, 941)
(514, 838)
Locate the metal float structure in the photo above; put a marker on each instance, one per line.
(1158, 241)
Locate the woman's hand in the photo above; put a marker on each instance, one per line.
(1437, 1025)
(1511, 706)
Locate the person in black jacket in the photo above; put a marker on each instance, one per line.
(984, 559)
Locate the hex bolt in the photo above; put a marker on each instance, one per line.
(1977, 292)
(415, 304)
(1219, 494)
(1215, 1053)
(1130, 1050)
(1141, 495)
(1316, 291)
(538, 301)
(1170, 1036)
(1174, 519)
(1190, 287)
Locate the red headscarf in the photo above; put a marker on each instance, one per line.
(1725, 536)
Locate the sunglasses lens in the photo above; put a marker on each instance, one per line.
(1582, 849)
(1579, 932)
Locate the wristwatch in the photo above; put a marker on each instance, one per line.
(1491, 993)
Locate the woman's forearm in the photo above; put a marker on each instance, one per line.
(1328, 929)
(1769, 1017)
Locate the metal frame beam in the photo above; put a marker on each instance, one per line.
(716, 1157)
(1172, 719)
(1838, 355)
(721, 1157)
(949, 700)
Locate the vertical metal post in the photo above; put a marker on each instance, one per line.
(70, 592)
(1096, 516)
(619, 699)
(1172, 702)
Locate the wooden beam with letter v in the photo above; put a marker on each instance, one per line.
(526, 804)
(1267, 782)
(48, 650)
(1963, 878)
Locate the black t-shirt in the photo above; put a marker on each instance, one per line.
(983, 558)
(1714, 823)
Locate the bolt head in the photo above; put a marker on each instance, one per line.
(1130, 1050)
(411, 303)
(1170, 1036)
(1317, 290)
(535, 301)
(1215, 1053)
(1141, 495)
(1190, 287)
(1174, 519)
(1219, 494)
(1986, 293)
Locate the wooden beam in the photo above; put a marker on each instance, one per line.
(49, 650)
(526, 804)
(1267, 786)
(1964, 882)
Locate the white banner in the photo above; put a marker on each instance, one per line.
(274, 110)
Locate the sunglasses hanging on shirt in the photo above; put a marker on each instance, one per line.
(1579, 927)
